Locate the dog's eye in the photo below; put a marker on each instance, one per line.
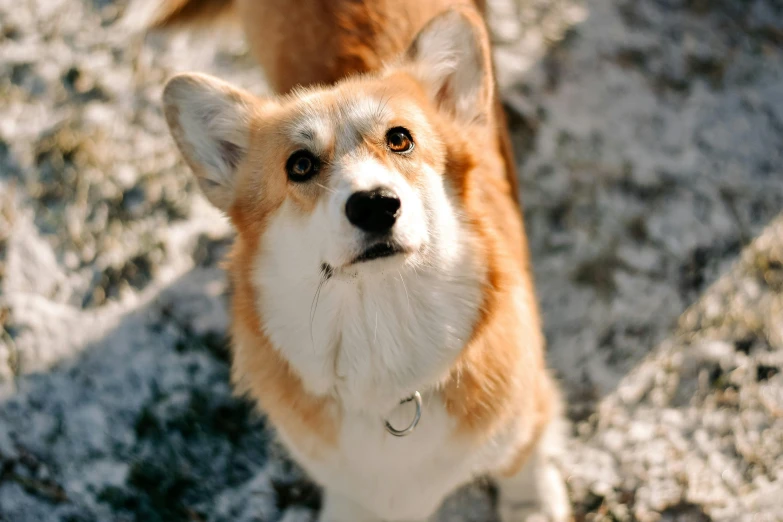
(399, 140)
(302, 165)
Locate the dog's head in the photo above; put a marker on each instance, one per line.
(351, 179)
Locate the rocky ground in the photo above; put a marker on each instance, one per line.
(650, 139)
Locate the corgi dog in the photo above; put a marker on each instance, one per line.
(383, 312)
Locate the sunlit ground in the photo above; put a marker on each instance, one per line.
(649, 137)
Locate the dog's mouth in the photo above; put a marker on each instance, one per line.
(378, 251)
(373, 252)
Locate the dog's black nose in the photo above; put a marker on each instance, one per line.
(373, 210)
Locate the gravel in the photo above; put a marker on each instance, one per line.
(649, 135)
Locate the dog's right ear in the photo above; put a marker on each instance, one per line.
(210, 121)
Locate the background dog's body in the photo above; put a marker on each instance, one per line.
(464, 329)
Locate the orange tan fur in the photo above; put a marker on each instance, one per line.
(340, 38)
(326, 58)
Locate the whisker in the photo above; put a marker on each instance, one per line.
(407, 297)
(314, 305)
(330, 190)
(379, 111)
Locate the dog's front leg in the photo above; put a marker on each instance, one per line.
(536, 492)
(338, 508)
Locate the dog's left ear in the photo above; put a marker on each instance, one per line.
(451, 57)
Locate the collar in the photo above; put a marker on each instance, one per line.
(416, 397)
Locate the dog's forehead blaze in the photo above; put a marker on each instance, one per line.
(357, 108)
(351, 117)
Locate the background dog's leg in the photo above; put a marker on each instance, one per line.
(537, 491)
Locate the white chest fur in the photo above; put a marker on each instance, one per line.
(369, 340)
(404, 478)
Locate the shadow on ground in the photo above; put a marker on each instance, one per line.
(649, 138)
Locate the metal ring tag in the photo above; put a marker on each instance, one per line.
(407, 431)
